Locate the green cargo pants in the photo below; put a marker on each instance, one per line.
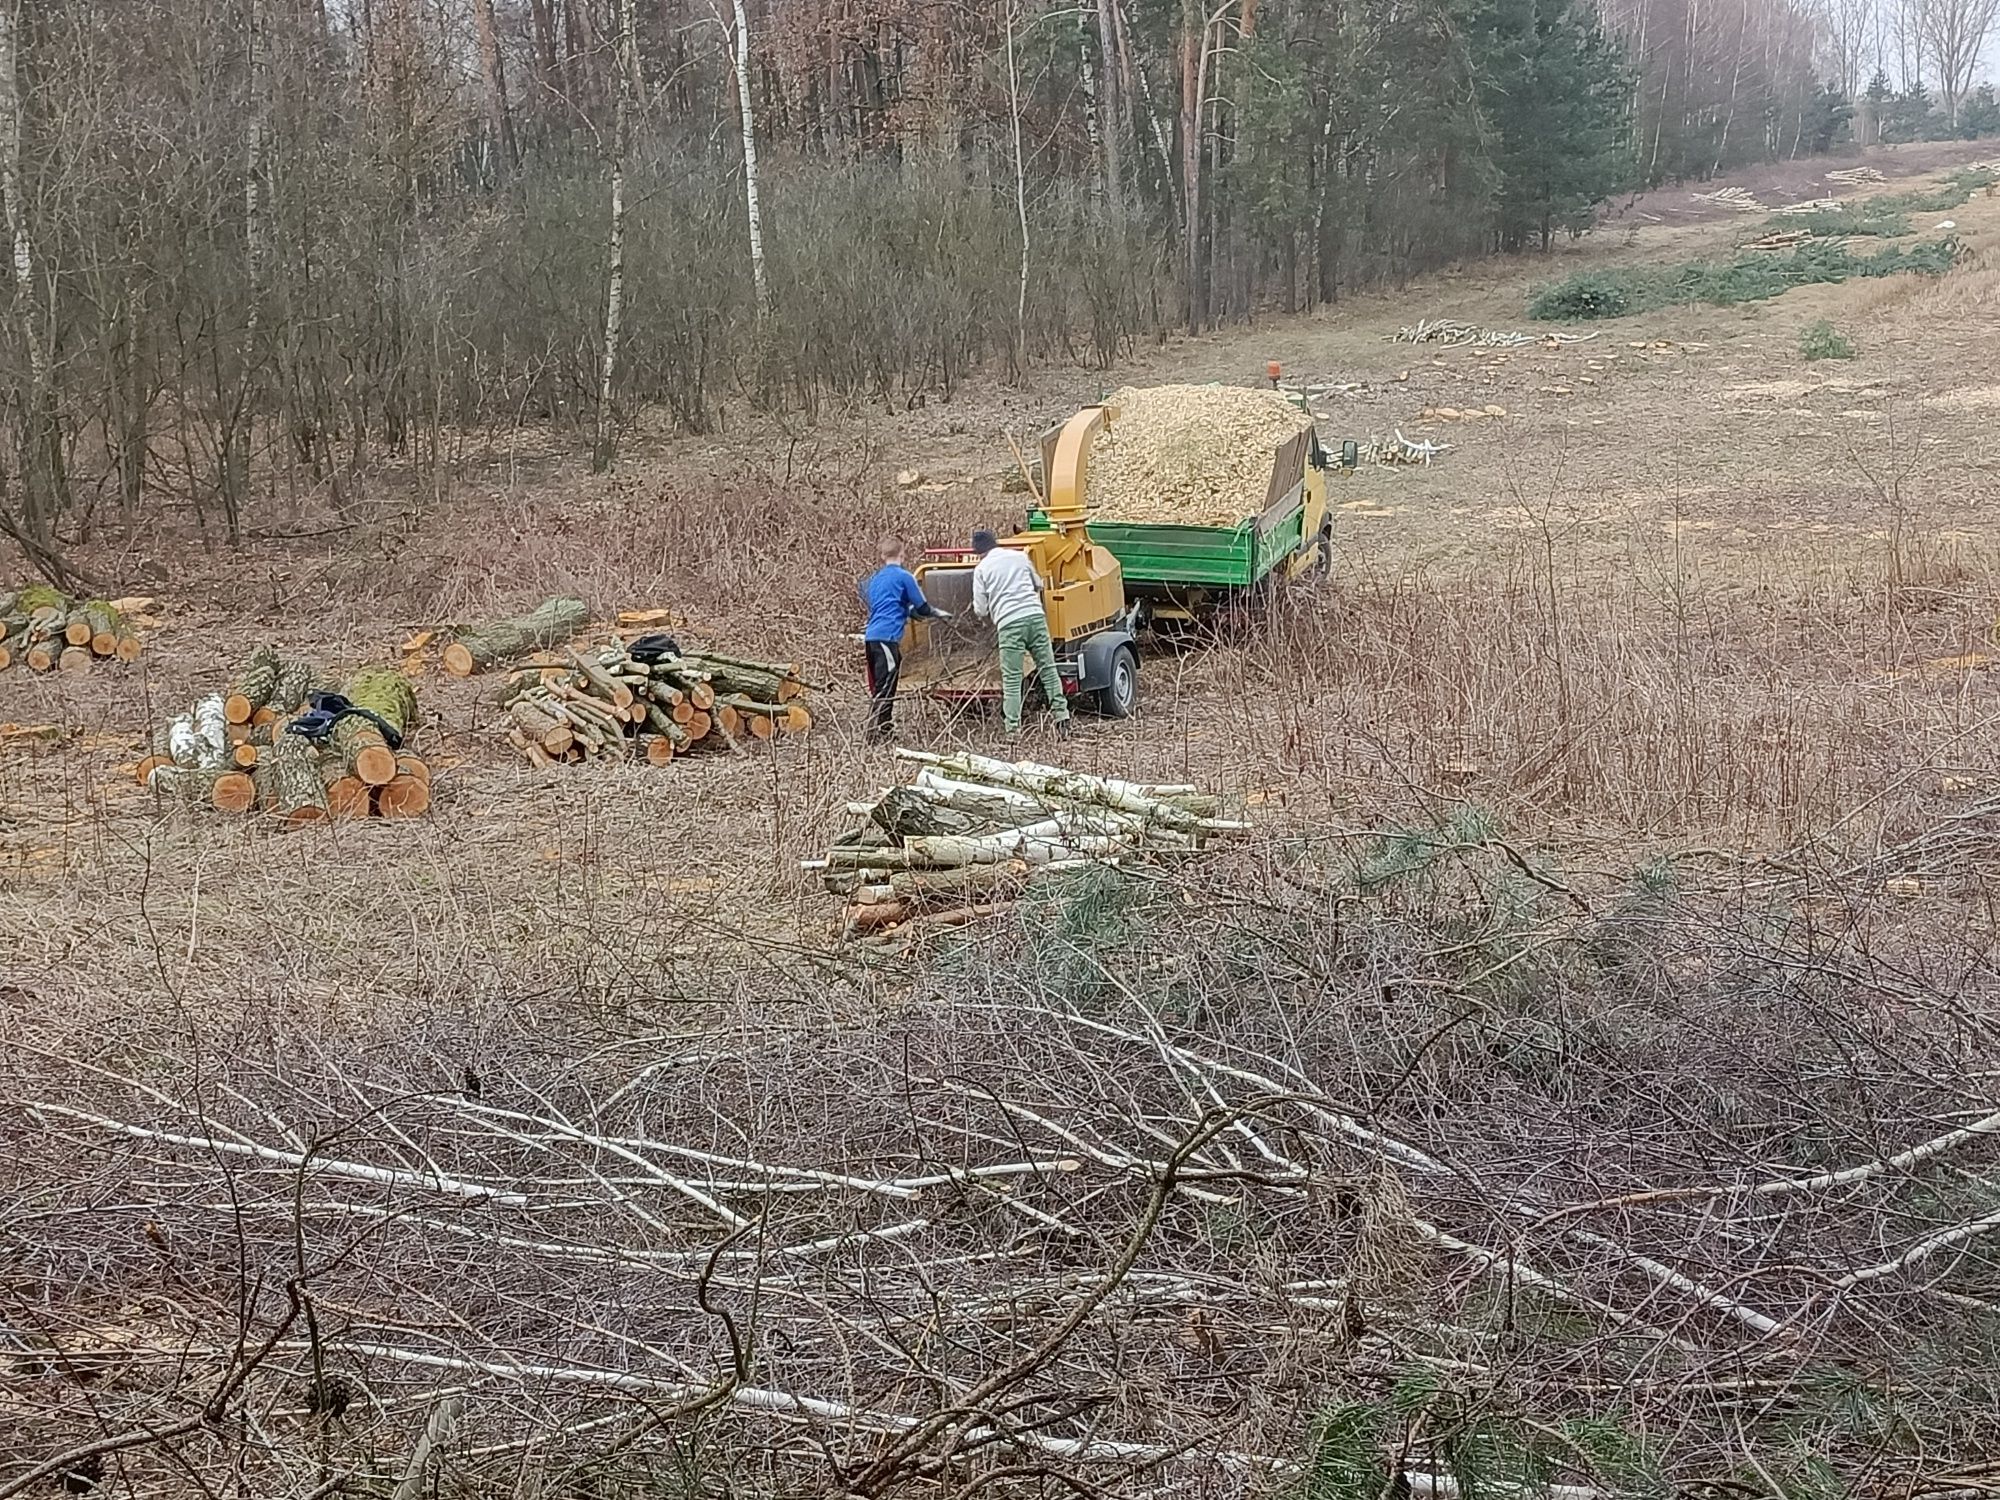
(1028, 637)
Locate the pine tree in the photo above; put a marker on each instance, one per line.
(1555, 90)
(1979, 115)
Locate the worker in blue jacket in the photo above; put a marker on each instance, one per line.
(892, 598)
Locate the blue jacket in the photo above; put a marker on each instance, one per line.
(891, 597)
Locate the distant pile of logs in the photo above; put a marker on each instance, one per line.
(46, 630)
(1784, 239)
(613, 705)
(241, 751)
(970, 833)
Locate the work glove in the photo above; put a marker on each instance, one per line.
(940, 614)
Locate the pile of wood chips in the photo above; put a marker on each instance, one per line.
(1189, 455)
(612, 705)
(965, 838)
(239, 751)
(45, 630)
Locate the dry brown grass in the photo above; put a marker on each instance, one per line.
(1669, 615)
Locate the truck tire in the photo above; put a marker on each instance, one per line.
(1118, 698)
(1322, 566)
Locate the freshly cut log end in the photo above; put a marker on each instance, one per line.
(253, 685)
(760, 726)
(374, 765)
(75, 659)
(659, 751)
(347, 797)
(797, 718)
(536, 755)
(264, 717)
(149, 765)
(729, 720)
(409, 765)
(234, 792)
(6, 657)
(41, 657)
(304, 814)
(404, 797)
(698, 727)
(457, 660)
(104, 624)
(790, 689)
(76, 630)
(244, 755)
(702, 696)
(128, 649)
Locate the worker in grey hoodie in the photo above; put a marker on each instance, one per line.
(1007, 591)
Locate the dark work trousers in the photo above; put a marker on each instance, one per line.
(885, 666)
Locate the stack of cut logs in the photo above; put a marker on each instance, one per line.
(970, 833)
(612, 705)
(237, 751)
(46, 630)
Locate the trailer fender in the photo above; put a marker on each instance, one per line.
(1099, 657)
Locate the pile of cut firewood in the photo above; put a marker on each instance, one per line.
(282, 739)
(45, 630)
(970, 833)
(625, 702)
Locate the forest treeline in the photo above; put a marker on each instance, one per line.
(257, 244)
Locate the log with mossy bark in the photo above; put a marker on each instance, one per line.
(297, 676)
(253, 685)
(481, 647)
(358, 741)
(40, 625)
(767, 682)
(290, 783)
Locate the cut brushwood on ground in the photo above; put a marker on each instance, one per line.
(246, 749)
(971, 832)
(45, 630)
(613, 705)
(482, 647)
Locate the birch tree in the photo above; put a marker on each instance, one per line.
(614, 296)
(752, 203)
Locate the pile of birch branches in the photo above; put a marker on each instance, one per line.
(611, 704)
(1454, 334)
(241, 750)
(969, 833)
(1254, 1188)
(45, 630)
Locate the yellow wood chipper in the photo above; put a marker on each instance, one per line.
(1090, 619)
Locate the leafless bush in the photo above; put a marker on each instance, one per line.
(1412, 1151)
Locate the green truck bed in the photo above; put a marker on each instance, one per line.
(1164, 557)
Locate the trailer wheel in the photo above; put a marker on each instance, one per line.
(1119, 697)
